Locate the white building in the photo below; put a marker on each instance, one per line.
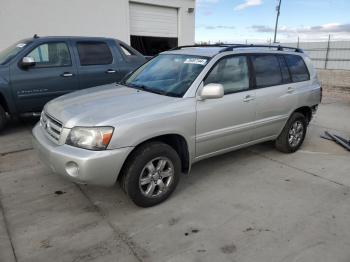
(145, 24)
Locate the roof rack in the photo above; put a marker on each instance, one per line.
(186, 46)
(231, 47)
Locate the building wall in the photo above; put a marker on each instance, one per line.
(110, 18)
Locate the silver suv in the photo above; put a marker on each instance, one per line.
(182, 106)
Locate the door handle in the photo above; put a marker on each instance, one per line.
(67, 74)
(248, 98)
(111, 71)
(290, 90)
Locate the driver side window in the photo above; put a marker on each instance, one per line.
(51, 55)
(232, 72)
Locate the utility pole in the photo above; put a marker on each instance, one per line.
(278, 8)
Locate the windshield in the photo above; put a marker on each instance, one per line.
(168, 74)
(8, 53)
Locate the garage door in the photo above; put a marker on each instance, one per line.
(151, 20)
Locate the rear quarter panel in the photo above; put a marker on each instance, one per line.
(309, 93)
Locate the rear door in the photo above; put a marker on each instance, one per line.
(54, 74)
(226, 122)
(275, 98)
(96, 63)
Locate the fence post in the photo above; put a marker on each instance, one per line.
(327, 52)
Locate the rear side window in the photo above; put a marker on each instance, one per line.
(284, 70)
(94, 53)
(267, 70)
(126, 50)
(297, 68)
(51, 55)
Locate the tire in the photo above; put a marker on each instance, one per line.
(152, 167)
(293, 134)
(2, 118)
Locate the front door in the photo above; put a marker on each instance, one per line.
(53, 74)
(225, 123)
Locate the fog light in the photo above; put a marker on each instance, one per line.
(72, 169)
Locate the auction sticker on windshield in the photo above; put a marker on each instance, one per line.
(197, 61)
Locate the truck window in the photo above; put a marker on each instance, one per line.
(94, 53)
(51, 55)
(297, 68)
(267, 70)
(126, 50)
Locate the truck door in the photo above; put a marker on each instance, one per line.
(96, 63)
(53, 74)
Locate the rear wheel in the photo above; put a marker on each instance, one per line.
(2, 118)
(293, 134)
(151, 174)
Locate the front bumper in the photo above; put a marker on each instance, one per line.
(80, 165)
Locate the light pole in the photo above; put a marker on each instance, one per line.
(278, 8)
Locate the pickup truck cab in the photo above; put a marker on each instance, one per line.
(36, 70)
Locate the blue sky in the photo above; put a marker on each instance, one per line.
(254, 20)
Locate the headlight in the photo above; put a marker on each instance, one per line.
(93, 138)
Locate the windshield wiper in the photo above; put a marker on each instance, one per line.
(146, 88)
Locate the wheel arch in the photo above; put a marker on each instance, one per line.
(306, 111)
(3, 103)
(176, 141)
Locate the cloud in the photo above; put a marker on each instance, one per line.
(262, 28)
(247, 4)
(213, 27)
(326, 28)
(307, 33)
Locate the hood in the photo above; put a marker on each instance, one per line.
(102, 105)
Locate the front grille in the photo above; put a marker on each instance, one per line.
(52, 127)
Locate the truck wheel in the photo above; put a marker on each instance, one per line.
(293, 134)
(151, 174)
(2, 118)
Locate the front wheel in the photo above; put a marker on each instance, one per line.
(293, 134)
(151, 174)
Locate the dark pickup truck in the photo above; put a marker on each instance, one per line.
(36, 70)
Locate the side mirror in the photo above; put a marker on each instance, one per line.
(27, 61)
(212, 91)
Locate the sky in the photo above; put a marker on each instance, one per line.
(238, 21)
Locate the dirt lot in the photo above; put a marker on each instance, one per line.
(335, 83)
(255, 204)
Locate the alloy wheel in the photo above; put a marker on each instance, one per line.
(156, 177)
